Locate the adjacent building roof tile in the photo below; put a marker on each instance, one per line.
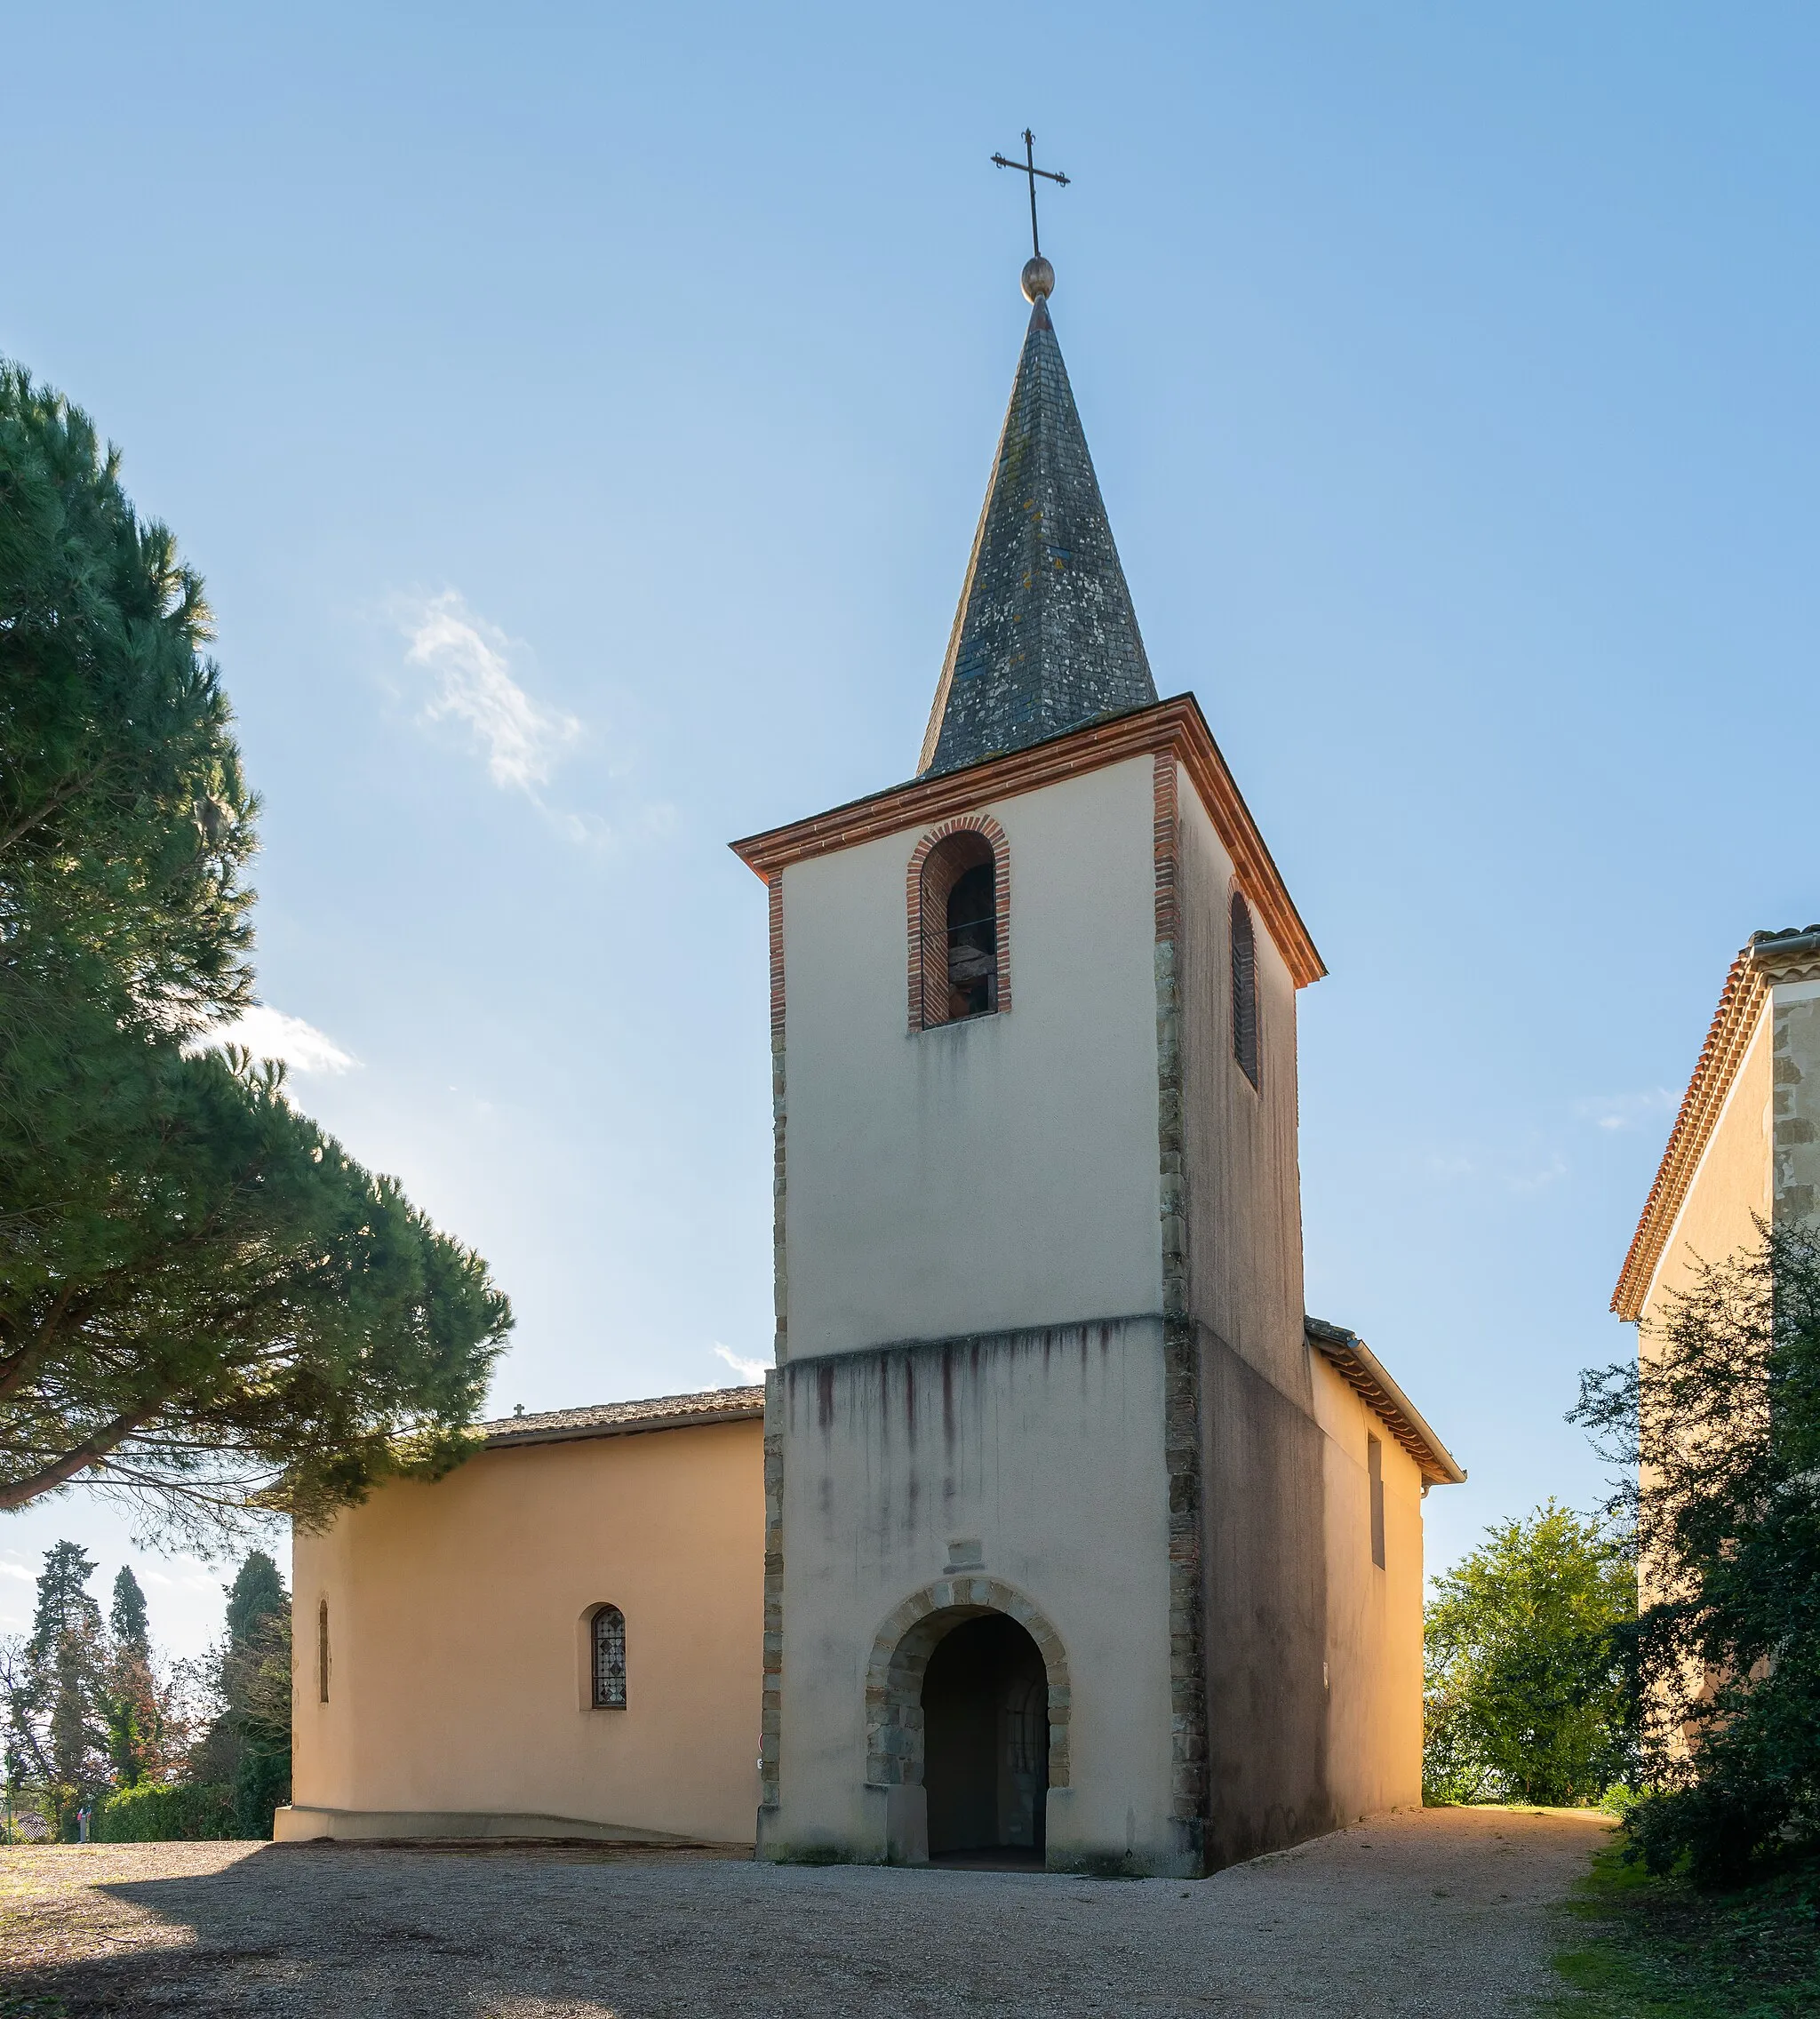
(1766, 958)
(623, 1419)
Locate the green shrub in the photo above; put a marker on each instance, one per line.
(155, 1814)
(261, 1781)
(1717, 1429)
(1527, 1691)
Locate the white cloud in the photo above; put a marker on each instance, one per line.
(194, 1580)
(15, 1570)
(471, 663)
(750, 1371)
(1540, 1178)
(269, 1033)
(1625, 1111)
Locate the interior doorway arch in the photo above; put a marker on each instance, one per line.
(985, 1740)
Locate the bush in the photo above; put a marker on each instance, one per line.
(261, 1781)
(157, 1814)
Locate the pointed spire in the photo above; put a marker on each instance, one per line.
(1045, 639)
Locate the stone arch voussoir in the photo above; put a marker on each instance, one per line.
(900, 1654)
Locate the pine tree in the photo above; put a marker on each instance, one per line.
(204, 1303)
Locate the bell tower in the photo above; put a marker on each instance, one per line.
(1047, 1470)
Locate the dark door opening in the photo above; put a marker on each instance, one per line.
(985, 1743)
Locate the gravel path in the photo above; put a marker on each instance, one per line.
(1444, 1911)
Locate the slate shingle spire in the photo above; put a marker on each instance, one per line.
(1045, 638)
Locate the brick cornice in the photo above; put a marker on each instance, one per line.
(1175, 725)
(1768, 959)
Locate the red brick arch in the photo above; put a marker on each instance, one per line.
(928, 921)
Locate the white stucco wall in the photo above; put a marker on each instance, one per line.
(1240, 1142)
(1047, 1451)
(996, 1173)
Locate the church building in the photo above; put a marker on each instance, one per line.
(1060, 1534)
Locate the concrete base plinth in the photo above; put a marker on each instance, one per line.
(297, 1823)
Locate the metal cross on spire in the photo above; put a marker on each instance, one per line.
(1028, 166)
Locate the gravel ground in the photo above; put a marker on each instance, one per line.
(1443, 1911)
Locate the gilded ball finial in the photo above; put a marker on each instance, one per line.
(1039, 279)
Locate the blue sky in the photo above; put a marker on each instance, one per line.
(580, 415)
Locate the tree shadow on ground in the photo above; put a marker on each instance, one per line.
(314, 1930)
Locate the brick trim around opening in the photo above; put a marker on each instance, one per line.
(989, 830)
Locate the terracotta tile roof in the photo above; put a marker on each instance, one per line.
(1791, 954)
(1353, 1359)
(623, 1419)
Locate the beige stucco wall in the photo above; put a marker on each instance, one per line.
(1733, 1180)
(994, 1173)
(457, 1637)
(1373, 1630)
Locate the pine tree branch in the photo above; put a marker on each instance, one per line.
(43, 812)
(18, 1493)
(16, 1365)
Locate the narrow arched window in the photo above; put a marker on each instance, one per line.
(1244, 990)
(322, 1652)
(609, 1665)
(959, 903)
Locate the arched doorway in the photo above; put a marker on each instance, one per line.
(896, 1723)
(985, 1741)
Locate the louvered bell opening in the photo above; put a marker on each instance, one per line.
(1244, 990)
(973, 944)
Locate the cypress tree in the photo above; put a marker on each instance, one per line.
(135, 1712)
(257, 1591)
(256, 1682)
(127, 1616)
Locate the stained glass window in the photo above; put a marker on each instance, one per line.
(610, 1659)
